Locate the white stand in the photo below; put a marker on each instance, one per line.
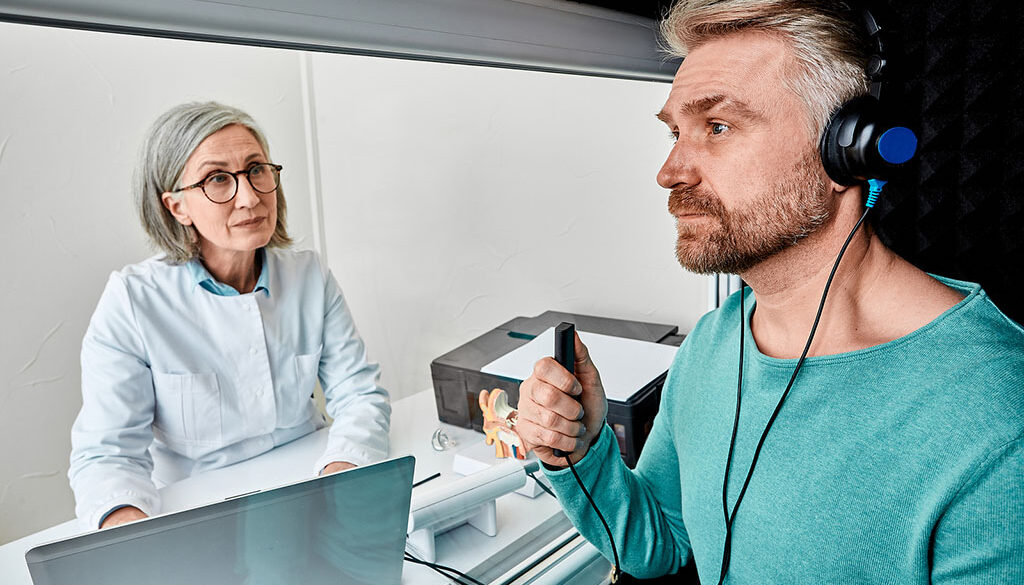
(469, 500)
(479, 456)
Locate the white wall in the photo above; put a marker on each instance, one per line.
(456, 198)
(451, 198)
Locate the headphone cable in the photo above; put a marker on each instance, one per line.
(875, 188)
(541, 485)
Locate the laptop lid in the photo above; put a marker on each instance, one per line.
(346, 528)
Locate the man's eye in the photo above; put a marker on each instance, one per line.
(718, 128)
(674, 136)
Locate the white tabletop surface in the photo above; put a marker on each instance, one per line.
(524, 524)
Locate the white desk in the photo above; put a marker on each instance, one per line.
(525, 526)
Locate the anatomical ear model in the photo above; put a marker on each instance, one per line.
(499, 424)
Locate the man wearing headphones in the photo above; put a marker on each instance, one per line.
(895, 451)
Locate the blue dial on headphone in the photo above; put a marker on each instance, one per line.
(897, 145)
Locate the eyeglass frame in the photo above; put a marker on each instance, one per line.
(234, 174)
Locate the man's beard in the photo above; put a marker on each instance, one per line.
(734, 241)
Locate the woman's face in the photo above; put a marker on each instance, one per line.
(242, 225)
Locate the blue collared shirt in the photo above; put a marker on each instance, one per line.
(181, 374)
(203, 278)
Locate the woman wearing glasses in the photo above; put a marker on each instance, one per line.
(208, 353)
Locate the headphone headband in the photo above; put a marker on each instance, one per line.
(877, 62)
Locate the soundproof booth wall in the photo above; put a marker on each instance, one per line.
(961, 211)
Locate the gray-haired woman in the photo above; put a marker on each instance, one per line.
(208, 353)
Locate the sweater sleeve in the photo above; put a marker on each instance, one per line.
(642, 506)
(980, 537)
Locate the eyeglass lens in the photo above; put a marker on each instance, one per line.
(221, 186)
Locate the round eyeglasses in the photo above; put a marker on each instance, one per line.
(222, 186)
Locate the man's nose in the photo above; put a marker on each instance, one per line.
(680, 168)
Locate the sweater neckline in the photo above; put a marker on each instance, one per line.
(972, 295)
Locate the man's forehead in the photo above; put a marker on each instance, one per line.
(745, 68)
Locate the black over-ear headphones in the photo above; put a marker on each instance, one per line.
(864, 138)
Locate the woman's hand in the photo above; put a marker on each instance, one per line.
(123, 516)
(336, 467)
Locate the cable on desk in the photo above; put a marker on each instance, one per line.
(444, 571)
(451, 577)
(541, 484)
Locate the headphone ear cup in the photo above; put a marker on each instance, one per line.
(833, 156)
(860, 142)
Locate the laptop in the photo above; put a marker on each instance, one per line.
(346, 528)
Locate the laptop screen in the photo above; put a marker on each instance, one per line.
(346, 528)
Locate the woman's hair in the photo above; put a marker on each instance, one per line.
(828, 47)
(170, 142)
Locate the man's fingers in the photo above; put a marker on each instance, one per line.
(555, 400)
(550, 411)
(551, 372)
(582, 353)
(550, 419)
(536, 435)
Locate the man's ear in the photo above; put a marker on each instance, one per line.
(834, 187)
(177, 207)
(839, 189)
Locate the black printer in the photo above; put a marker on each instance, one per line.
(458, 379)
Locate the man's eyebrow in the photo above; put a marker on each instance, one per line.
(704, 104)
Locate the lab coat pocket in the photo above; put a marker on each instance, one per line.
(307, 368)
(188, 408)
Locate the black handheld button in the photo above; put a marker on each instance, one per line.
(565, 355)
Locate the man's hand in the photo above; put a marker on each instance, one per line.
(559, 411)
(336, 467)
(123, 516)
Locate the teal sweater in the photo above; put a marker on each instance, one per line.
(900, 463)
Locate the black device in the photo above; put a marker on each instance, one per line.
(458, 379)
(565, 355)
(865, 139)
